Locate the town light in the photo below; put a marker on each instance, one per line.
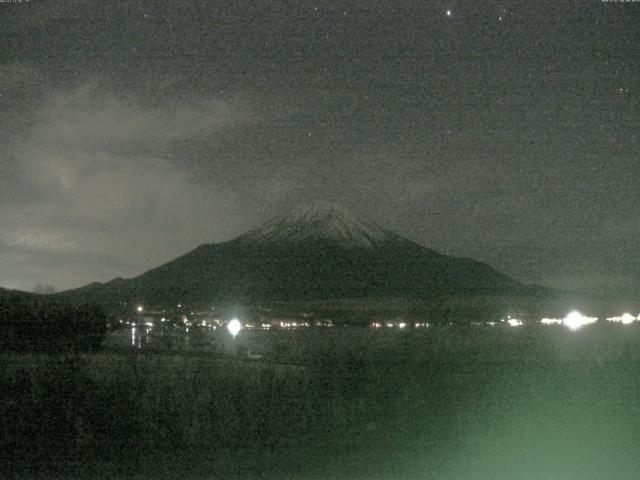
(234, 326)
(551, 321)
(625, 319)
(575, 320)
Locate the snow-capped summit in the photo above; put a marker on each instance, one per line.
(319, 221)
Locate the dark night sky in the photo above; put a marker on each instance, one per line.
(133, 131)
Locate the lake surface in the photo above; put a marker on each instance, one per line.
(340, 403)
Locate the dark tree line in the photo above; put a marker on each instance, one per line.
(36, 323)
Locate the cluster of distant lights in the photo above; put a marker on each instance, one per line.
(283, 324)
(574, 321)
(294, 324)
(234, 326)
(625, 319)
(401, 325)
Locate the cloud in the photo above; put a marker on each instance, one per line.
(33, 239)
(90, 118)
(94, 177)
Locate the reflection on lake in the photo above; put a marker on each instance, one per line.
(164, 339)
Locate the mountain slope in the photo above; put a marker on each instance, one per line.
(318, 252)
(10, 295)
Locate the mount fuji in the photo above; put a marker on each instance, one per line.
(316, 252)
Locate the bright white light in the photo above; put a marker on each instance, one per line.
(139, 308)
(551, 321)
(625, 319)
(576, 320)
(448, 13)
(402, 325)
(234, 327)
(514, 322)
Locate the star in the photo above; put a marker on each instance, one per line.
(449, 13)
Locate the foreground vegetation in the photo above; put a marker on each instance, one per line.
(36, 323)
